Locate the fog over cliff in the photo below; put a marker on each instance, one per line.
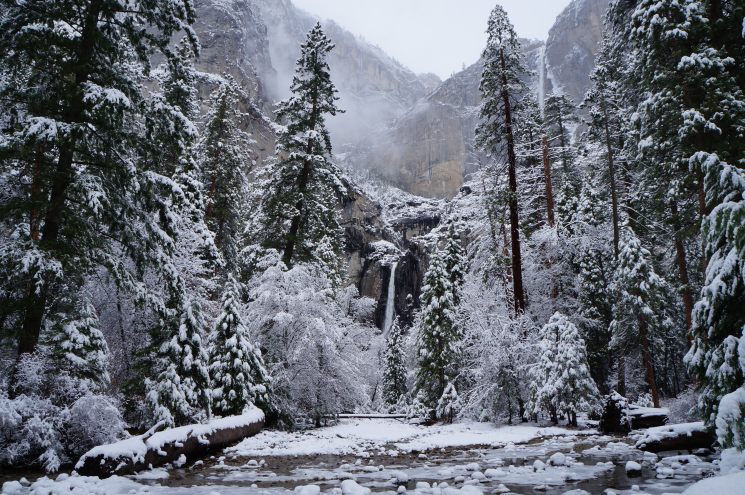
(411, 130)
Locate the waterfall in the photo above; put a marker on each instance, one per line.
(390, 304)
(542, 77)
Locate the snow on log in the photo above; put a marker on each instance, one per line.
(684, 436)
(192, 442)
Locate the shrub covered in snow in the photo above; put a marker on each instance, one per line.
(311, 345)
(93, 420)
(52, 417)
(449, 404)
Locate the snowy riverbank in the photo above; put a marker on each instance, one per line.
(390, 456)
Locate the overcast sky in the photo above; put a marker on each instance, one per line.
(433, 35)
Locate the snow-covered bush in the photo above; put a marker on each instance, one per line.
(92, 420)
(53, 416)
(449, 404)
(309, 343)
(418, 409)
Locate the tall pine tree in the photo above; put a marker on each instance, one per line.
(224, 159)
(71, 84)
(239, 376)
(300, 216)
(501, 88)
(440, 334)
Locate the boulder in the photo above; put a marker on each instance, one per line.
(685, 436)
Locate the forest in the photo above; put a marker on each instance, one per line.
(156, 271)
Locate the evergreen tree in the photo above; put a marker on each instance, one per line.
(575, 389)
(440, 335)
(449, 404)
(455, 262)
(81, 348)
(178, 392)
(595, 272)
(543, 373)
(394, 366)
(224, 159)
(71, 82)
(501, 87)
(641, 302)
(560, 380)
(559, 116)
(605, 125)
(303, 188)
(719, 315)
(534, 184)
(239, 376)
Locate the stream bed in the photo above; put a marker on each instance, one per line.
(548, 465)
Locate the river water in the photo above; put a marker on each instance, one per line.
(592, 463)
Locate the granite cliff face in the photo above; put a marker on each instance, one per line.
(429, 150)
(411, 130)
(414, 131)
(571, 46)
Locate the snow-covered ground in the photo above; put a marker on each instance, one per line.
(365, 437)
(391, 457)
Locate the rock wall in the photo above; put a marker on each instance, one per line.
(429, 150)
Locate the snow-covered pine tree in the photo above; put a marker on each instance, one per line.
(501, 87)
(171, 139)
(239, 376)
(559, 116)
(439, 332)
(178, 391)
(224, 161)
(543, 373)
(534, 174)
(394, 366)
(642, 297)
(595, 272)
(71, 143)
(719, 316)
(449, 404)
(80, 348)
(455, 261)
(575, 390)
(605, 126)
(686, 64)
(300, 217)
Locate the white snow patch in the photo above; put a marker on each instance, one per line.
(362, 436)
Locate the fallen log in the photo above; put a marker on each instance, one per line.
(685, 436)
(183, 444)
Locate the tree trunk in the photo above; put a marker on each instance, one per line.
(36, 300)
(517, 269)
(613, 190)
(621, 373)
(549, 185)
(647, 360)
(680, 258)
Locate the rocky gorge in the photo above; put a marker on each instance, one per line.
(411, 132)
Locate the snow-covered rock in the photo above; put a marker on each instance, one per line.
(633, 468)
(308, 490)
(558, 459)
(351, 487)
